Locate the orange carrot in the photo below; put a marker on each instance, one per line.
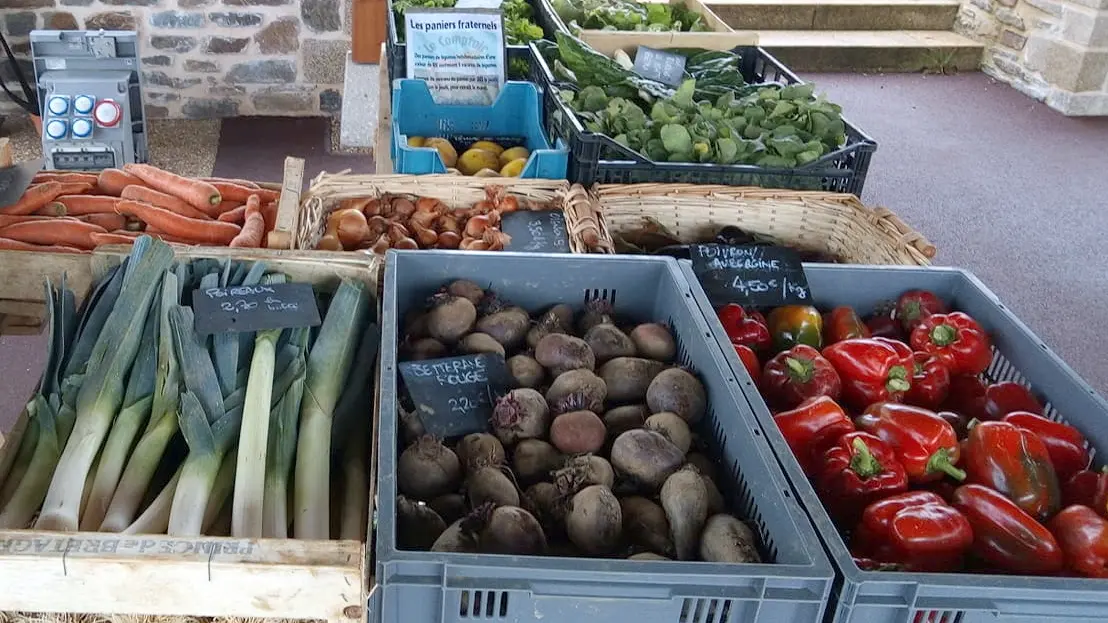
(67, 232)
(107, 221)
(113, 181)
(153, 232)
(80, 178)
(208, 232)
(40, 195)
(198, 194)
(252, 231)
(7, 244)
(231, 180)
(111, 238)
(126, 232)
(162, 200)
(238, 215)
(253, 204)
(235, 192)
(6, 220)
(79, 205)
(54, 208)
(269, 212)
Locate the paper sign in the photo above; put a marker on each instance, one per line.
(459, 52)
(750, 275)
(454, 396)
(662, 66)
(538, 231)
(254, 308)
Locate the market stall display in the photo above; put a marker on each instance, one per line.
(144, 425)
(72, 212)
(966, 427)
(413, 208)
(579, 295)
(739, 118)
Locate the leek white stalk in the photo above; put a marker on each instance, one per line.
(22, 459)
(246, 515)
(355, 495)
(155, 519)
(221, 490)
(328, 367)
(28, 495)
(101, 394)
(282, 447)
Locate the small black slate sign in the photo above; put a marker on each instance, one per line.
(662, 66)
(750, 275)
(254, 308)
(454, 396)
(541, 231)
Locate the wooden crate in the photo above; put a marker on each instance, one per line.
(87, 572)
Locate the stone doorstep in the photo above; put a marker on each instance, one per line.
(360, 103)
(837, 14)
(889, 51)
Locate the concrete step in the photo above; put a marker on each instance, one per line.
(873, 50)
(837, 14)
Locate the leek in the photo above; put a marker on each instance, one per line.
(101, 393)
(162, 424)
(355, 497)
(155, 519)
(328, 366)
(28, 495)
(221, 490)
(350, 430)
(282, 445)
(246, 516)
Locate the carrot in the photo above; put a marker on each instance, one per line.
(66, 232)
(198, 194)
(269, 212)
(127, 232)
(227, 206)
(54, 208)
(252, 231)
(235, 192)
(238, 215)
(80, 178)
(111, 238)
(80, 205)
(208, 232)
(6, 219)
(107, 221)
(253, 204)
(231, 180)
(162, 200)
(7, 244)
(153, 231)
(40, 195)
(113, 181)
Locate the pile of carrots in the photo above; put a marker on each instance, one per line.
(77, 212)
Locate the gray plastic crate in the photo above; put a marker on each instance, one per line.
(424, 587)
(893, 597)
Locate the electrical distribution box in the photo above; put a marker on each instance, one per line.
(90, 93)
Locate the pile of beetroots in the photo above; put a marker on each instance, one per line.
(923, 464)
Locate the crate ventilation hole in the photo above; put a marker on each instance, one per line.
(598, 294)
(483, 604)
(705, 610)
(938, 616)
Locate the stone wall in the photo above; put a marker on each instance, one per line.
(1053, 50)
(213, 58)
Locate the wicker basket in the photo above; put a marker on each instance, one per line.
(833, 223)
(327, 191)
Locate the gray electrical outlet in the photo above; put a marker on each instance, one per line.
(90, 93)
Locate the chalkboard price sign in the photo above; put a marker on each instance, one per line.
(254, 308)
(750, 275)
(662, 66)
(542, 231)
(454, 396)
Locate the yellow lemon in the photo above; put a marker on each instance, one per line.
(514, 168)
(416, 141)
(488, 146)
(515, 153)
(474, 160)
(446, 150)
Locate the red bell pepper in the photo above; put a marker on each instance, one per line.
(747, 328)
(813, 426)
(924, 442)
(843, 323)
(966, 396)
(930, 381)
(1088, 488)
(1004, 398)
(750, 361)
(884, 325)
(796, 375)
(857, 470)
(1006, 537)
(1016, 463)
(917, 529)
(957, 421)
(915, 306)
(956, 339)
(1083, 536)
(902, 350)
(1065, 444)
(871, 371)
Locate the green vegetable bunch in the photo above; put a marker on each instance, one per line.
(628, 15)
(519, 28)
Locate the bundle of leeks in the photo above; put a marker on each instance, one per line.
(141, 425)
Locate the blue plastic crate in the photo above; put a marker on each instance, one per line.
(515, 117)
(1020, 356)
(427, 587)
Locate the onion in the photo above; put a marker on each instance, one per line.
(351, 228)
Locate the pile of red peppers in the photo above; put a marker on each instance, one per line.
(922, 463)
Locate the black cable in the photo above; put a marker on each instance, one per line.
(31, 103)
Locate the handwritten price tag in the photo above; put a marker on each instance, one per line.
(536, 231)
(753, 275)
(454, 396)
(254, 308)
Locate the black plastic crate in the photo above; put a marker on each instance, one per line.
(597, 159)
(395, 50)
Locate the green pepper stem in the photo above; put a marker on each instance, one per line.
(898, 379)
(801, 370)
(943, 335)
(863, 462)
(940, 462)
